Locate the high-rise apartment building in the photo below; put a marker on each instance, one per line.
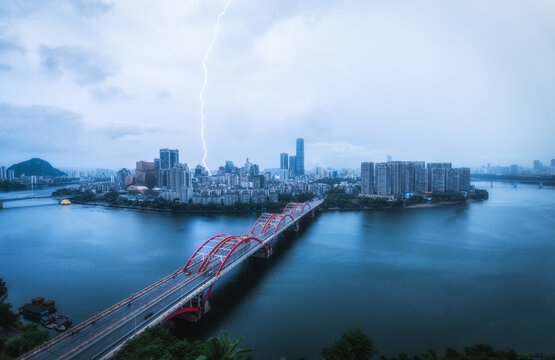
(464, 179)
(367, 178)
(258, 181)
(420, 180)
(180, 182)
(299, 158)
(254, 170)
(437, 178)
(284, 167)
(180, 177)
(3, 173)
(452, 180)
(435, 183)
(382, 179)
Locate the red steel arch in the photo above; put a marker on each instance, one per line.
(288, 207)
(181, 311)
(306, 204)
(200, 247)
(295, 208)
(258, 220)
(280, 220)
(268, 222)
(235, 247)
(214, 251)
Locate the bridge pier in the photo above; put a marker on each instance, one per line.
(262, 253)
(195, 309)
(294, 227)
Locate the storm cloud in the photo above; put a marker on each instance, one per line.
(84, 66)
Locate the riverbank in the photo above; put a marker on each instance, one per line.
(413, 206)
(246, 211)
(151, 209)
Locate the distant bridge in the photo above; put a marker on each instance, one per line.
(183, 293)
(3, 200)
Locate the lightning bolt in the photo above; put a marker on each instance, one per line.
(201, 95)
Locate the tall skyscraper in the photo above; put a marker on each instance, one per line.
(168, 159)
(299, 158)
(284, 167)
(367, 177)
(3, 173)
(292, 166)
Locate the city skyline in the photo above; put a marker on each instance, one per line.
(77, 85)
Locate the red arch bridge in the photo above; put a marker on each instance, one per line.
(184, 293)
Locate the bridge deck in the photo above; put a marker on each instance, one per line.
(103, 334)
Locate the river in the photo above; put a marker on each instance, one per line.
(412, 279)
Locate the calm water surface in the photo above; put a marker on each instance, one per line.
(413, 279)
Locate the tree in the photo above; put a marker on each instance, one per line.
(31, 337)
(3, 290)
(353, 345)
(222, 348)
(7, 316)
(111, 197)
(158, 343)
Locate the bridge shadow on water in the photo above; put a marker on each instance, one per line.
(236, 287)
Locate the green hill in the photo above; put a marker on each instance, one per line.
(37, 167)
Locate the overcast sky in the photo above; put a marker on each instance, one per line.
(104, 84)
